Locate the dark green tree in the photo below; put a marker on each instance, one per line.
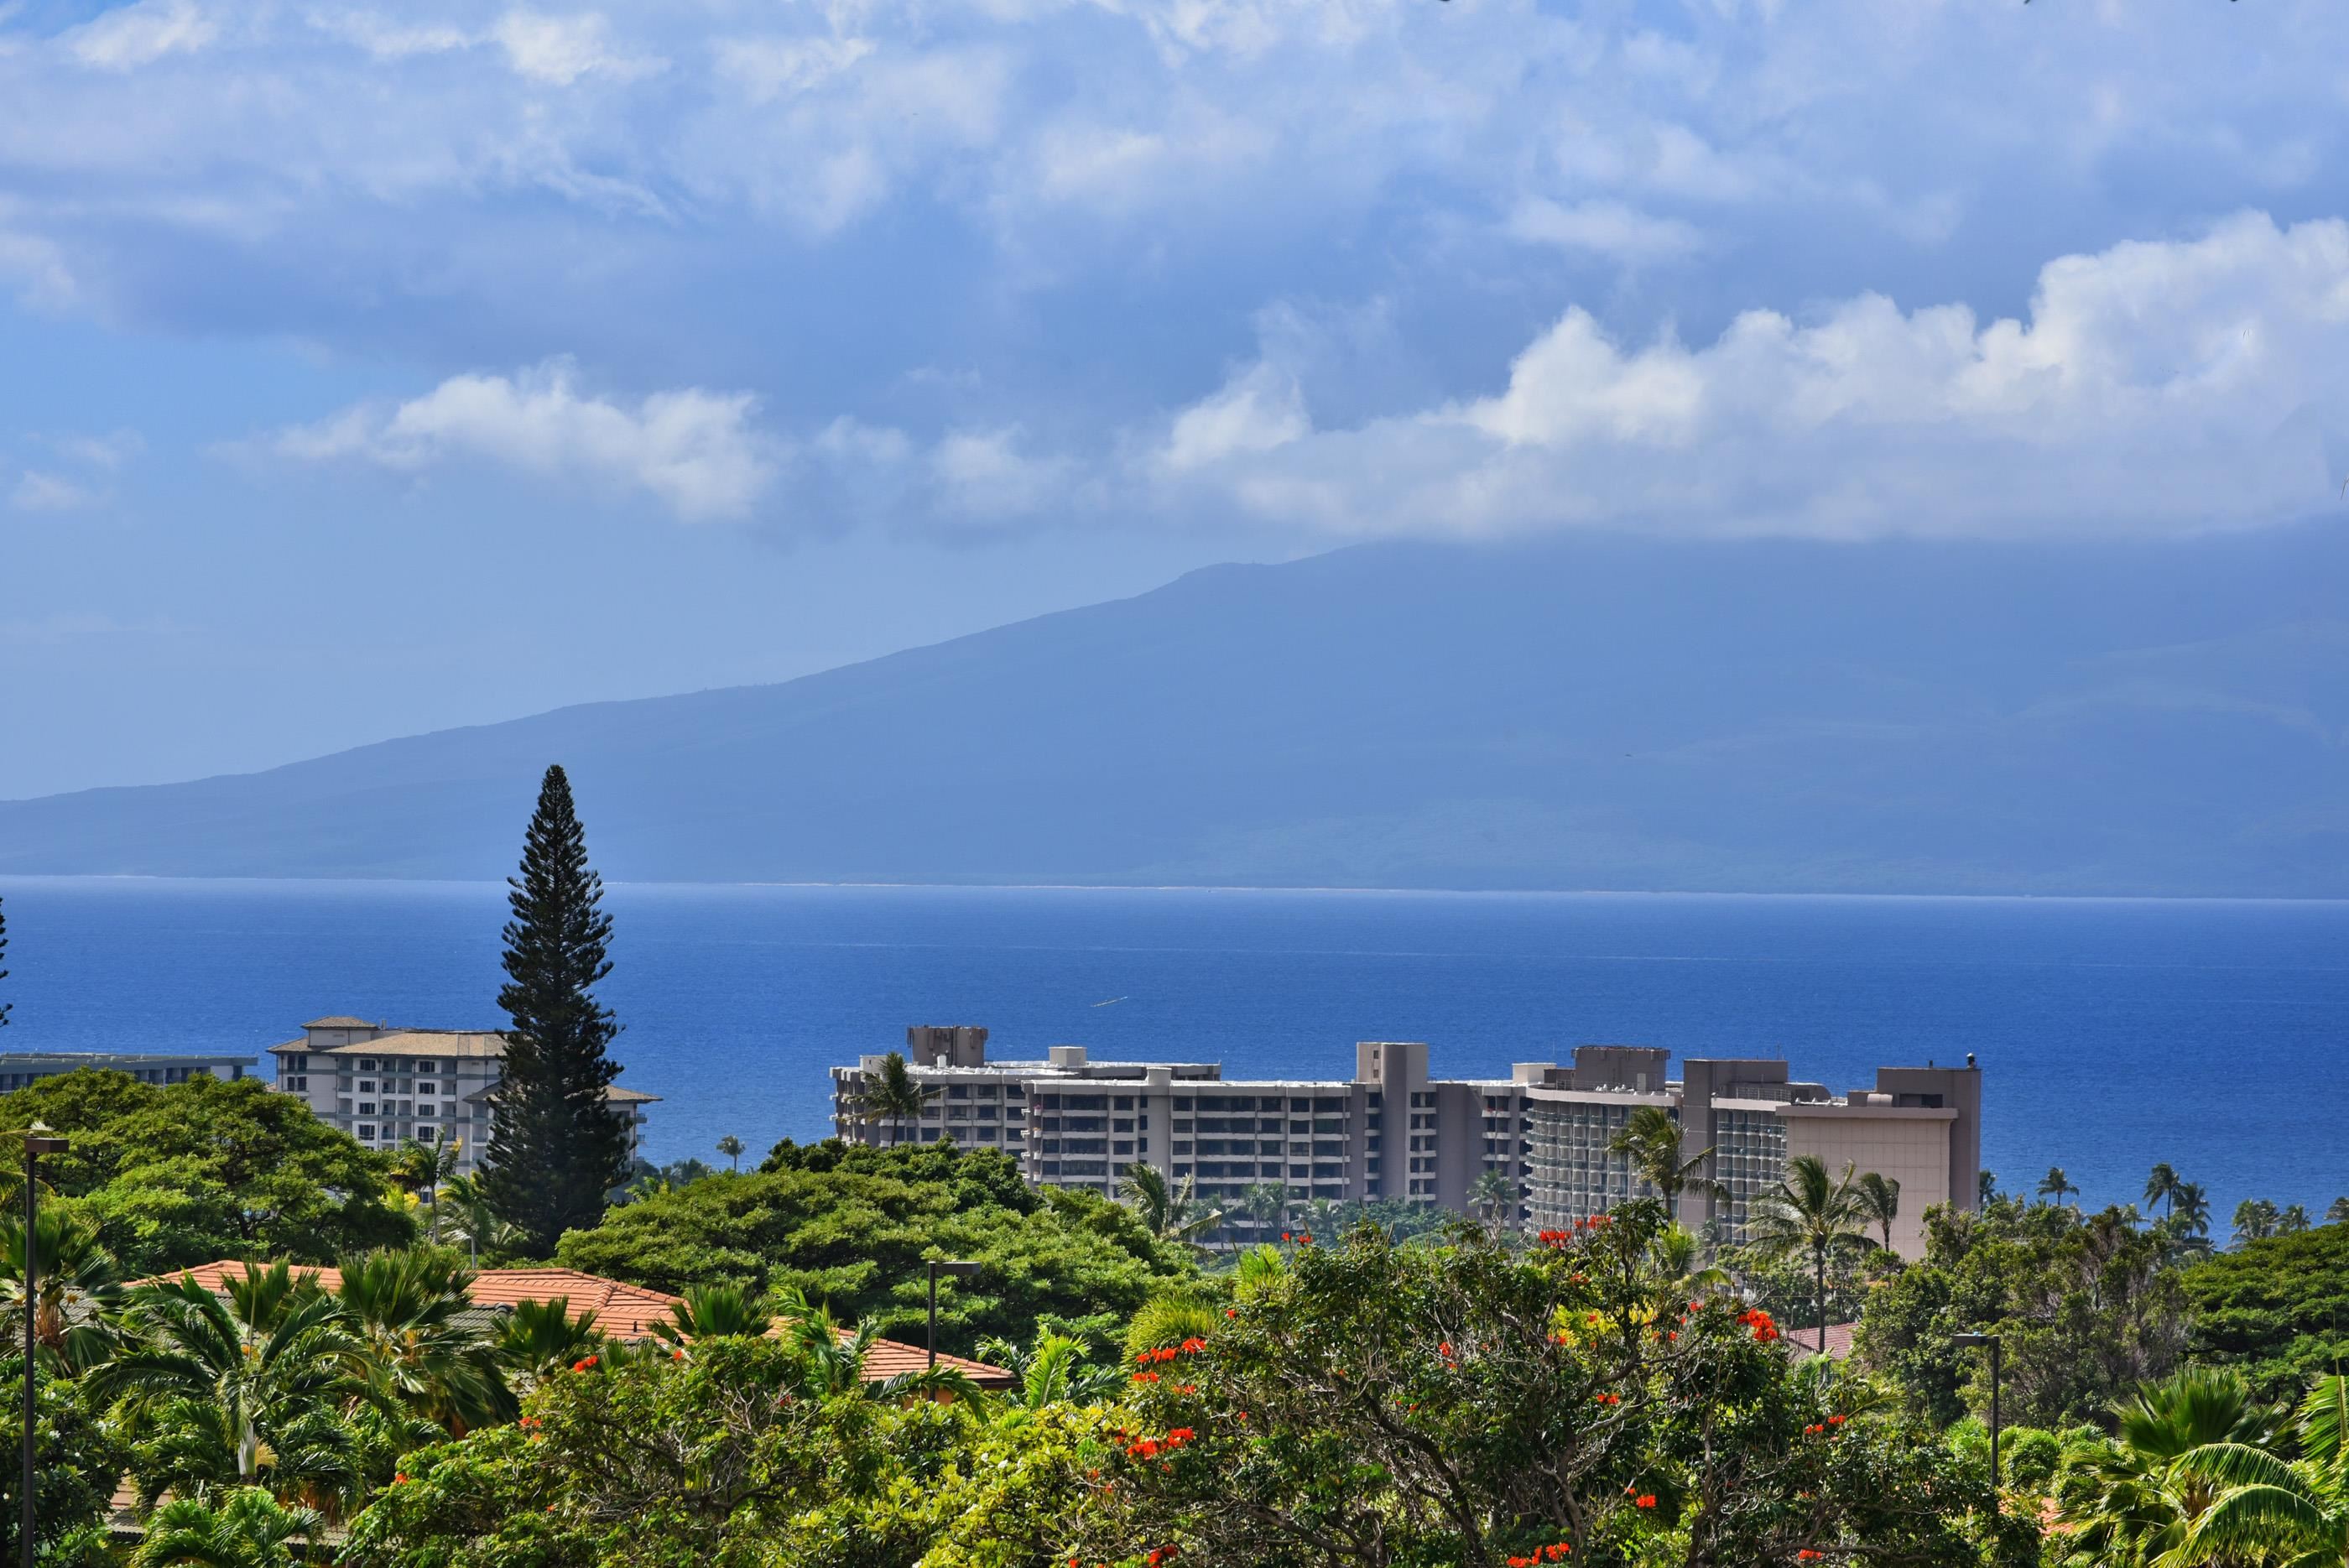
(557, 1146)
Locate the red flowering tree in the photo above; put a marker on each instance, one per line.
(1490, 1404)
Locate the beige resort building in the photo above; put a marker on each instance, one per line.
(1392, 1132)
(384, 1085)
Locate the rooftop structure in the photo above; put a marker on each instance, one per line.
(1393, 1132)
(19, 1068)
(383, 1083)
(624, 1312)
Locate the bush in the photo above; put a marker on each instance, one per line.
(851, 1226)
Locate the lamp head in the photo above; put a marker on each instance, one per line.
(34, 1143)
(1973, 1341)
(957, 1267)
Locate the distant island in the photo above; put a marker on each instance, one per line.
(1593, 713)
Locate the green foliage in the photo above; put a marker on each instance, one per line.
(2030, 1455)
(851, 1226)
(250, 1388)
(664, 1463)
(1785, 1287)
(2278, 1309)
(75, 1466)
(557, 1146)
(2084, 1304)
(1386, 1405)
(78, 1282)
(245, 1529)
(168, 1178)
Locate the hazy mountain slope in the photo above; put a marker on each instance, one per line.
(1596, 713)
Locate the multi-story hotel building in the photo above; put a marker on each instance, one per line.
(384, 1085)
(1392, 1132)
(19, 1068)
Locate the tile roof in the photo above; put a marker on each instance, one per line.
(340, 1021)
(1804, 1343)
(888, 1357)
(426, 1043)
(624, 1312)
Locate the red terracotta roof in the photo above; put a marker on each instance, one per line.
(1803, 1342)
(624, 1312)
(888, 1357)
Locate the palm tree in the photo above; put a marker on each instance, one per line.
(2190, 1206)
(2271, 1511)
(1675, 1265)
(1324, 1218)
(248, 1529)
(473, 1221)
(1055, 1371)
(1169, 1213)
(1651, 1141)
(1266, 1204)
(1495, 1195)
(2292, 1220)
(714, 1311)
(1807, 1212)
(2055, 1186)
(1878, 1197)
(422, 1167)
(1985, 1188)
(2126, 1497)
(2255, 1220)
(731, 1148)
(542, 1337)
(832, 1359)
(2337, 1211)
(891, 1094)
(79, 1289)
(1169, 1318)
(2161, 1187)
(431, 1351)
(245, 1389)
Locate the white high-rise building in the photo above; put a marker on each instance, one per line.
(1392, 1132)
(384, 1085)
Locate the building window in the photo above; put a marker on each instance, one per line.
(366, 1133)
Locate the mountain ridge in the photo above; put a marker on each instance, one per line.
(2168, 718)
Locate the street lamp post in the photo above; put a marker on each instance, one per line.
(937, 1266)
(1987, 1342)
(36, 1144)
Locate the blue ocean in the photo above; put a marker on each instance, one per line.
(2112, 1033)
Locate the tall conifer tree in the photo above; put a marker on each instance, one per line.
(4, 973)
(557, 1146)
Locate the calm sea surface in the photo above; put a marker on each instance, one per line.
(2111, 1033)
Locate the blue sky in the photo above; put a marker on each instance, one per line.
(376, 369)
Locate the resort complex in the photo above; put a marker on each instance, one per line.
(385, 1085)
(18, 1068)
(1392, 1132)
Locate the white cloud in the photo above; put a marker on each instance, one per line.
(2153, 387)
(985, 475)
(392, 41)
(1605, 228)
(108, 451)
(561, 49)
(139, 34)
(696, 450)
(39, 492)
(1257, 411)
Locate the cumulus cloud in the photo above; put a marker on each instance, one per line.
(698, 451)
(2153, 385)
